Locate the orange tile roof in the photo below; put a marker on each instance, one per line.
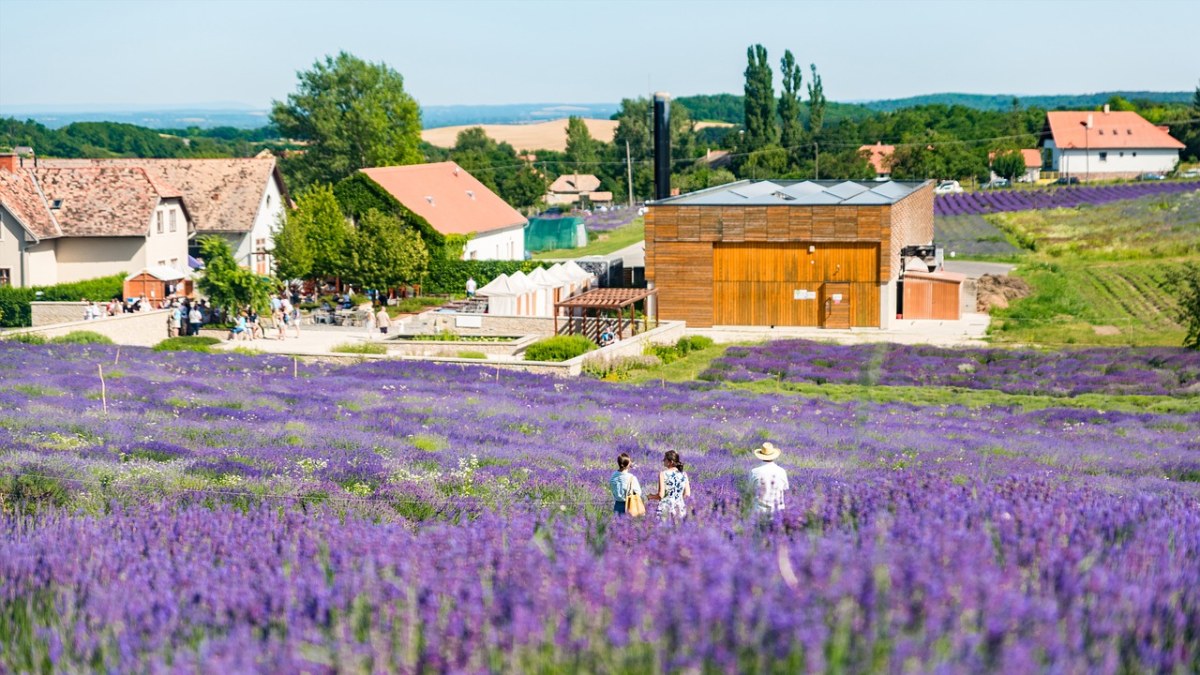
(881, 156)
(451, 200)
(575, 183)
(1032, 156)
(20, 196)
(1117, 129)
(102, 201)
(221, 195)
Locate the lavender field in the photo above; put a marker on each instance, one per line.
(1000, 201)
(1155, 371)
(231, 513)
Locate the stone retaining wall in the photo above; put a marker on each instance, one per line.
(143, 329)
(45, 313)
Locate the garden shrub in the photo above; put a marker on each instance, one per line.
(559, 348)
(28, 493)
(359, 348)
(620, 368)
(82, 337)
(29, 338)
(14, 302)
(471, 355)
(187, 343)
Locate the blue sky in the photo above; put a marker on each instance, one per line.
(63, 54)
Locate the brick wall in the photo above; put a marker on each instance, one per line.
(911, 224)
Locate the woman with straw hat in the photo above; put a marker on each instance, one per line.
(769, 480)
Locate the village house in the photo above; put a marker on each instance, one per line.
(1107, 144)
(1033, 165)
(238, 199)
(880, 157)
(786, 252)
(64, 224)
(581, 189)
(453, 201)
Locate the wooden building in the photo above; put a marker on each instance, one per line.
(785, 253)
(932, 295)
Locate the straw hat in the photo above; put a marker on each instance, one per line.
(767, 452)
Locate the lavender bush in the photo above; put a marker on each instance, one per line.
(236, 513)
(971, 203)
(1146, 371)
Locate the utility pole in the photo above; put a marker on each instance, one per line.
(628, 173)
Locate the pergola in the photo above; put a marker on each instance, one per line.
(606, 300)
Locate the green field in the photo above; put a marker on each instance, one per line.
(603, 243)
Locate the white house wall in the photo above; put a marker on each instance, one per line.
(506, 244)
(12, 247)
(1102, 162)
(42, 263)
(270, 208)
(82, 258)
(168, 248)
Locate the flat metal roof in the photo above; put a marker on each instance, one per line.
(799, 193)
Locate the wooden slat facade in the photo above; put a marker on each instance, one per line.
(743, 265)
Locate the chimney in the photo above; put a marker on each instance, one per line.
(1089, 121)
(1105, 108)
(662, 145)
(8, 162)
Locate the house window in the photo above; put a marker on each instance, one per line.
(172, 220)
(175, 263)
(5, 276)
(260, 244)
(162, 263)
(268, 201)
(1122, 153)
(1104, 157)
(1135, 153)
(160, 222)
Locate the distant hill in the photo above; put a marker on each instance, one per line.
(1049, 102)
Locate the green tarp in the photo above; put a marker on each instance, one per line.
(545, 234)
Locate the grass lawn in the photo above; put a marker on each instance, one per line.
(602, 244)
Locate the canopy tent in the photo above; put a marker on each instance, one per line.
(568, 285)
(547, 291)
(501, 297)
(526, 293)
(580, 276)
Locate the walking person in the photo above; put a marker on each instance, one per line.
(383, 320)
(623, 485)
(277, 320)
(471, 287)
(176, 320)
(673, 488)
(768, 480)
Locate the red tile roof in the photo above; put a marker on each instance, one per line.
(221, 195)
(570, 183)
(1032, 156)
(102, 201)
(20, 196)
(1118, 129)
(451, 200)
(880, 157)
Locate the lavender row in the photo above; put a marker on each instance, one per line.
(972, 203)
(1147, 371)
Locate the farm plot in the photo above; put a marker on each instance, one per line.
(974, 203)
(971, 236)
(233, 513)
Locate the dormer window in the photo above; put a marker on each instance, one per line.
(471, 194)
(429, 198)
(1129, 132)
(56, 203)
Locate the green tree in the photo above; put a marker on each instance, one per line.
(933, 154)
(352, 114)
(320, 218)
(634, 123)
(526, 188)
(761, 128)
(791, 132)
(1009, 164)
(1185, 283)
(581, 147)
(292, 254)
(228, 286)
(381, 253)
(816, 102)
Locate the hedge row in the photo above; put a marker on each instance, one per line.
(14, 302)
(450, 276)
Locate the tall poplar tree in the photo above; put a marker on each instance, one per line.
(761, 127)
(791, 131)
(816, 102)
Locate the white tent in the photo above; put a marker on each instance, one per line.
(567, 285)
(583, 278)
(544, 299)
(501, 296)
(526, 293)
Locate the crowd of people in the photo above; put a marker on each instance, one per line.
(768, 482)
(285, 317)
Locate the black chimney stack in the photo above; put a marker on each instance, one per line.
(662, 145)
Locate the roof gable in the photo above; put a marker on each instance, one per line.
(1117, 129)
(451, 200)
(20, 196)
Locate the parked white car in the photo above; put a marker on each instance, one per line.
(947, 187)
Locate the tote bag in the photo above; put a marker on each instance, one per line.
(634, 507)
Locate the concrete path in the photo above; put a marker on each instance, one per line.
(968, 332)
